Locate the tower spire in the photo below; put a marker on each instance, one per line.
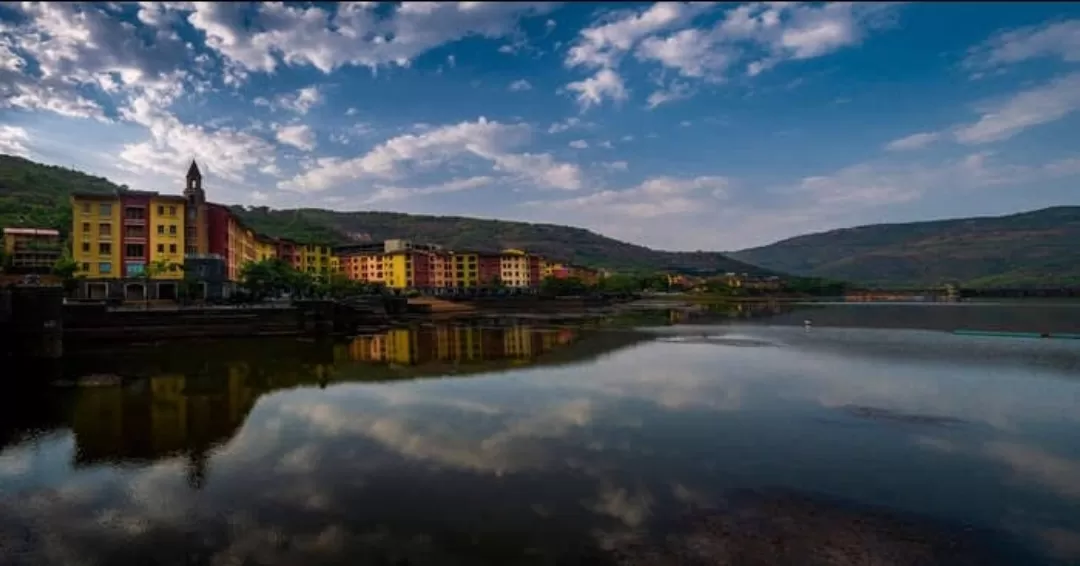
(193, 189)
(193, 171)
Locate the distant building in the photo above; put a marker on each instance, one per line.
(32, 250)
(116, 236)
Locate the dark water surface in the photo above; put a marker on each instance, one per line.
(703, 443)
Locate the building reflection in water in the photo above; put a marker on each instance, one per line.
(413, 347)
(188, 403)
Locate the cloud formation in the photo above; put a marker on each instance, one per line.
(681, 125)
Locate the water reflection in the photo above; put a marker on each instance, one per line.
(604, 448)
(184, 399)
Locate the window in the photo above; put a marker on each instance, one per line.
(160, 228)
(86, 227)
(105, 249)
(193, 213)
(172, 211)
(105, 229)
(134, 250)
(161, 210)
(172, 229)
(161, 248)
(86, 208)
(133, 269)
(172, 248)
(86, 247)
(86, 267)
(105, 267)
(105, 209)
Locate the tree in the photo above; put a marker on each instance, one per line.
(569, 286)
(66, 269)
(270, 277)
(621, 284)
(152, 270)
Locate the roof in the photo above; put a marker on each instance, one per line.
(31, 232)
(96, 196)
(193, 171)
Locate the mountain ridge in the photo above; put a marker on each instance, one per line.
(35, 194)
(1029, 248)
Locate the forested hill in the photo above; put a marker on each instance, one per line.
(1038, 248)
(33, 194)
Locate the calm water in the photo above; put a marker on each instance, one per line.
(717, 441)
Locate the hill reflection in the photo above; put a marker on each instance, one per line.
(183, 400)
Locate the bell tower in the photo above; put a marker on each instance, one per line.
(196, 223)
(193, 192)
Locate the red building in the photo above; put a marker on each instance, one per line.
(488, 268)
(134, 243)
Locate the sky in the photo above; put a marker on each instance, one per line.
(680, 126)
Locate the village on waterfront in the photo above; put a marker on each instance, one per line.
(150, 248)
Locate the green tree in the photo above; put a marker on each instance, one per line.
(154, 269)
(570, 286)
(66, 269)
(270, 277)
(620, 283)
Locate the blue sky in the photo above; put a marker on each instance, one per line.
(678, 126)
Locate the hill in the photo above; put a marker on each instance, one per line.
(566, 243)
(1038, 248)
(33, 194)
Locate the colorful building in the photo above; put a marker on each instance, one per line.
(123, 237)
(117, 237)
(560, 270)
(519, 269)
(32, 250)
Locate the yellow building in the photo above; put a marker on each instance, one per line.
(241, 247)
(95, 235)
(398, 270)
(465, 272)
(166, 246)
(514, 268)
(315, 259)
(117, 238)
(265, 249)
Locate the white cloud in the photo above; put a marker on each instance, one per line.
(353, 34)
(579, 144)
(483, 139)
(227, 152)
(615, 165)
(782, 31)
(299, 136)
(605, 84)
(299, 102)
(674, 92)
(1033, 107)
(914, 141)
(603, 45)
(658, 196)
(13, 140)
(386, 193)
(694, 53)
(570, 123)
(1053, 39)
(79, 47)
(520, 85)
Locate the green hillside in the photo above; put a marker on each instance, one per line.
(32, 194)
(1038, 248)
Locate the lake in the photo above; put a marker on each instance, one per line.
(733, 437)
